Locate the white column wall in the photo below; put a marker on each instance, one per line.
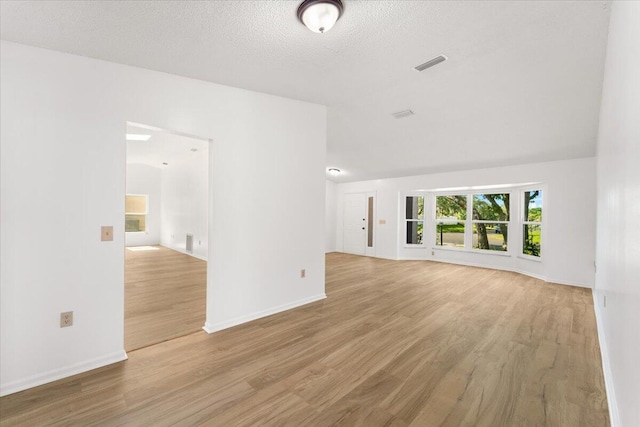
(618, 253)
(63, 123)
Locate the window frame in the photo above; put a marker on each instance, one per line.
(523, 222)
(464, 221)
(145, 213)
(508, 222)
(407, 220)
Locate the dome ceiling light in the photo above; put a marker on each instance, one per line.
(320, 15)
(334, 171)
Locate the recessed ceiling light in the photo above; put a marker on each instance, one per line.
(320, 15)
(165, 163)
(334, 171)
(430, 63)
(194, 149)
(137, 137)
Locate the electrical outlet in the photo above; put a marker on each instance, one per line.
(303, 273)
(66, 319)
(433, 253)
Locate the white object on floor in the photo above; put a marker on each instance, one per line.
(143, 248)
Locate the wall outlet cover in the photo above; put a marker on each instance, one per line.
(66, 319)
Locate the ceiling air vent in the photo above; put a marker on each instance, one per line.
(431, 63)
(403, 114)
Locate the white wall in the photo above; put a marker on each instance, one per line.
(330, 214)
(144, 179)
(618, 249)
(184, 202)
(569, 211)
(63, 124)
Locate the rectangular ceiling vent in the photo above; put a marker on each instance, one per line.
(403, 114)
(431, 63)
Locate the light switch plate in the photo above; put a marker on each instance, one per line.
(106, 233)
(382, 221)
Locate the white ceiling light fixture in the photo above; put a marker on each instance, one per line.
(137, 137)
(320, 15)
(334, 171)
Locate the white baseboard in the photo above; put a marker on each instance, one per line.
(197, 256)
(503, 268)
(57, 374)
(606, 367)
(385, 257)
(214, 327)
(566, 282)
(182, 251)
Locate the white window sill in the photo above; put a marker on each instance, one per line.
(472, 251)
(530, 258)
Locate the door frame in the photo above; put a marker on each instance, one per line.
(209, 283)
(369, 223)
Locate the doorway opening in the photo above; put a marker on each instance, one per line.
(166, 235)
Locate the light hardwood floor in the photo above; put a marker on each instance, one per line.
(395, 343)
(165, 296)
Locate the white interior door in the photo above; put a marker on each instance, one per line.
(355, 223)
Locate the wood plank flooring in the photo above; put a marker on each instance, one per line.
(165, 296)
(396, 343)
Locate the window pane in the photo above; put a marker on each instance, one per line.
(415, 207)
(491, 207)
(490, 236)
(135, 204)
(414, 232)
(135, 223)
(370, 222)
(533, 206)
(451, 207)
(450, 234)
(531, 240)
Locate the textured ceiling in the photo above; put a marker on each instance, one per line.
(522, 83)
